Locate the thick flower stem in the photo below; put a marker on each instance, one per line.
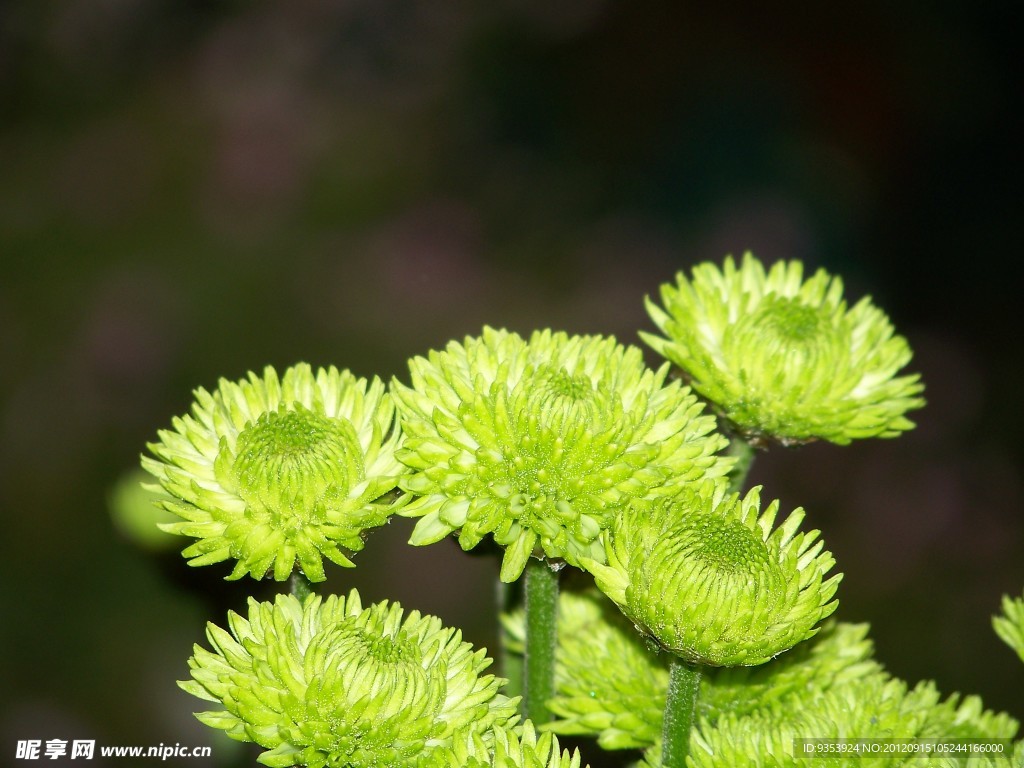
(743, 452)
(541, 639)
(301, 587)
(508, 596)
(683, 688)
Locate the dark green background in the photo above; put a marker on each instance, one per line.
(189, 190)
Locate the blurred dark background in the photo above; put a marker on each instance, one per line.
(190, 190)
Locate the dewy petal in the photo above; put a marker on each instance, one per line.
(278, 471)
(327, 682)
(540, 442)
(784, 359)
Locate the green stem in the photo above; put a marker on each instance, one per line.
(683, 688)
(541, 639)
(511, 663)
(301, 586)
(684, 678)
(743, 452)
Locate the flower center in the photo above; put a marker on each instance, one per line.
(784, 346)
(562, 384)
(558, 396)
(291, 462)
(361, 658)
(552, 470)
(367, 688)
(792, 322)
(726, 545)
(788, 327)
(706, 566)
(380, 649)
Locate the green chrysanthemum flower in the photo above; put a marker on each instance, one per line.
(328, 683)
(710, 580)
(272, 471)
(540, 442)
(508, 748)
(960, 718)
(784, 358)
(1010, 625)
(873, 707)
(612, 685)
(838, 655)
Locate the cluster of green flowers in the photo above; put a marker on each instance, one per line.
(609, 682)
(571, 450)
(538, 442)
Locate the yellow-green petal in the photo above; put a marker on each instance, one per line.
(1010, 624)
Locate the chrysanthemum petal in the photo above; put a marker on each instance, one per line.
(1010, 624)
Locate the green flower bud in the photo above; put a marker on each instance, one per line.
(710, 580)
(541, 442)
(136, 509)
(508, 748)
(328, 683)
(1010, 625)
(269, 472)
(784, 358)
